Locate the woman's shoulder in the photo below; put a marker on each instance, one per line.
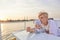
(37, 21)
(51, 21)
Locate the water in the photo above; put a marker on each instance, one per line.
(9, 27)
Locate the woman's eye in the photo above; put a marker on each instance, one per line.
(41, 17)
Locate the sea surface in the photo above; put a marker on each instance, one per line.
(10, 27)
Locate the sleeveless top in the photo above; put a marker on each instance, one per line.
(52, 26)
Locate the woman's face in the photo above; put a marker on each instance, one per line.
(43, 18)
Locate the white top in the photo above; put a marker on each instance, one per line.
(52, 26)
(45, 27)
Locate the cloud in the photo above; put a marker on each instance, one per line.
(26, 7)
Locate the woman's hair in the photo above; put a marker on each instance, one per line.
(42, 13)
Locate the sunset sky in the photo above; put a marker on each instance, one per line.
(18, 9)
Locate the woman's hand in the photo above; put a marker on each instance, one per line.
(30, 30)
(38, 26)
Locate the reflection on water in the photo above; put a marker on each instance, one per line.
(10, 27)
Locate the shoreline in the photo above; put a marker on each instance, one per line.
(16, 21)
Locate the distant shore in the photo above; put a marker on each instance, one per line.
(16, 20)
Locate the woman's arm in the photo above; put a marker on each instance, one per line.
(30, 29)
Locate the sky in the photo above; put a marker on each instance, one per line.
(18, 9)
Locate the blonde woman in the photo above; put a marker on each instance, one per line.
(49, 25)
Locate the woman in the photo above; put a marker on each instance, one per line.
(49, 25)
